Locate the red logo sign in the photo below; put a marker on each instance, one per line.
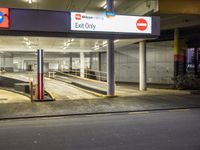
(4, 18)
(78, 16)
(142, 24)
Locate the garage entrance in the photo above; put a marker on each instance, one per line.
(73, 27)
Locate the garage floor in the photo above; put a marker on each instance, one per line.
(11, 97)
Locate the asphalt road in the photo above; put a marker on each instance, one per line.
(161, 130)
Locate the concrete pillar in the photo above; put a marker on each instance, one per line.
(99, 64)
(90, 60)
(110, 5)
(110, 69)
(22, 66)
(70, 62)
(4, 62)
(142, 63)
(196, 61)
(176, 52)
(82, 64)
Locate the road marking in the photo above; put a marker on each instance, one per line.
(173, 110)
(139, 112)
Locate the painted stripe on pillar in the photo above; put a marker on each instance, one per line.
(179, 58)
(176, 41)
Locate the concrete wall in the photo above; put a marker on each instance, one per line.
(159, 63)
(51, 63)
(6, 62)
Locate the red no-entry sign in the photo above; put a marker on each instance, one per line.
(4, 18)
(141, 24)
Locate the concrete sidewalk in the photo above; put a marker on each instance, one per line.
(144, 102)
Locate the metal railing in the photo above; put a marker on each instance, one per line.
(88, 73)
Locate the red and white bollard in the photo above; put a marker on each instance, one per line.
(40, 73)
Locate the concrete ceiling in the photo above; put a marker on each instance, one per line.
(134, 7)
(23, 45)
(129, 7)
(30, 44)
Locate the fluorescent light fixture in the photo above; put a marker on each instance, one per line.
(104, 42)
(104, 45)
(30, 1)
(104, 4)
(115, 41)
(25, 39)
(28, 43)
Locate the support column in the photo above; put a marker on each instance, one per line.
(184, 61)
(40, 77)
(176, 52)
(70, 62)
(82, 65)
(142, 63)
(90, 60)
(4, 62)
(196, 61)
(99, 65)
(110, 69)
(110, 5)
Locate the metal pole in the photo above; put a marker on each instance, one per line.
(110, 68)
(40, 73)
(110, 5)
(143, 74)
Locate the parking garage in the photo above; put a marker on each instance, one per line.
(62, 51)
(73, 53)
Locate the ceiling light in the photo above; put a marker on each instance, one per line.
(105, 6)
(104, 42)
(25, 39)
(28, 43)
(115, 41)
(30, 1)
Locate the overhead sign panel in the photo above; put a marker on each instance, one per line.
(117, 23)
(4, 18)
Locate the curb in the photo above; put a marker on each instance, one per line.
(195, 92)
(96, 113)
